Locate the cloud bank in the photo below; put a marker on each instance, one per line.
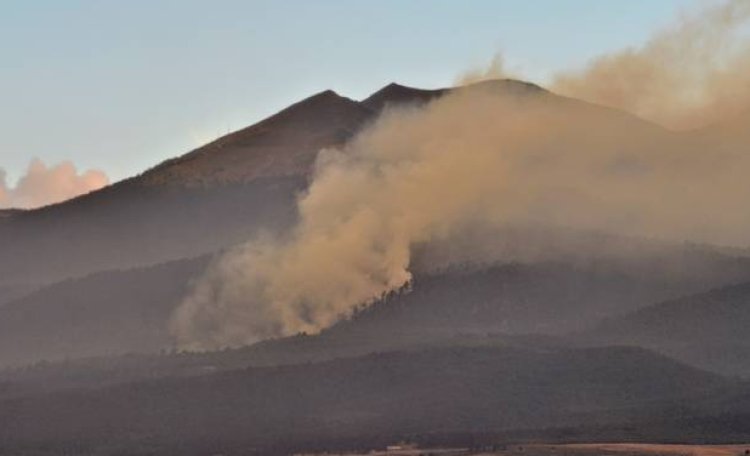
(43, 185)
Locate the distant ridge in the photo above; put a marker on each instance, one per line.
(398, 94)
(707, 329)
(509, 86)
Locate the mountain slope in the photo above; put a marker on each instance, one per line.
(553, 297)
(78, 318)
(247, 182)
(284, 144)
(213, 197)
(133, 225)
(217, 195)
(395, 94)
(708, 329)
(107, 313)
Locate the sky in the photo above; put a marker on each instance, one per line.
(121, 86)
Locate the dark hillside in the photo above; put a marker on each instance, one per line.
(710, 329)
(435, 391)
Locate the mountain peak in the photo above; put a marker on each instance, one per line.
(314, 109)
(394, 94)
(283, 144)
(514, 86)
(398, 94)
(325, 96)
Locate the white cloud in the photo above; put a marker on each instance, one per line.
(43, 185)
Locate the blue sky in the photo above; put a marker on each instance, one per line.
(123, 85)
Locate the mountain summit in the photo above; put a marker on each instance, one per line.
(210, 198)
(284, 144)
(394, 94)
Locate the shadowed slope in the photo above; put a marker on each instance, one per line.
(395, 94)
(282, 145)
(211, 198)
(544, 298)
(710, 329)
(381, 395)
(106, 313)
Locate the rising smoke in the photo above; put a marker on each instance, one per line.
(689, 75)
(489, 155)
(43, 185)
(497, 69)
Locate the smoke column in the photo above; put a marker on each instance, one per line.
(478, 156)
(495, 155)
(495, 70)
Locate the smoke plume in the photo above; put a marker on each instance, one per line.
(43, 185)
(495, 70)
(480, 156)
(694, 73)
(504, 158)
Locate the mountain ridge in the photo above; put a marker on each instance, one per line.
(249, 180)
(707, 329)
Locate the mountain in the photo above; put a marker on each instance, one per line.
(379, 397)
(474, 350)
(213, 197)
(396, 95)
(282, 145)
(708, 329)
(126, 311)
(220, 194)
(131, 225)
(547, 297)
